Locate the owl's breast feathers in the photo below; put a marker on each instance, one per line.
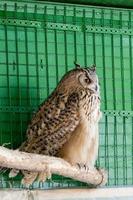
(56, 120)
(82, 147)
(90, 107)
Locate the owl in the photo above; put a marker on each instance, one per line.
(66, 124)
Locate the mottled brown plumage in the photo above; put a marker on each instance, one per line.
(66, 124)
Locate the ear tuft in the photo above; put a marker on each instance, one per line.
(77, 65)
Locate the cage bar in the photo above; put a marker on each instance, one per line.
(27, 75)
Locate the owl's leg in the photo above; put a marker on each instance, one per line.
(93, 150)
(92, 155)
(29, 178)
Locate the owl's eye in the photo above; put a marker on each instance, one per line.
(87, 80)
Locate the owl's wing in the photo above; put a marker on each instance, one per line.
(47, 110)
(52, 133)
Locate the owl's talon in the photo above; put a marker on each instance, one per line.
(78, 165)
(43, 176)
(29, 178)
(83, 167)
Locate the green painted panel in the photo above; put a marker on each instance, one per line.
(108, 3)
(38, 44)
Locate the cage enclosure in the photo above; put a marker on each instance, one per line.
(39, 41)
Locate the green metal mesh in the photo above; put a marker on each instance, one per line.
(38, 44)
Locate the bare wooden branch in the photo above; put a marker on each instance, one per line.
(35, 162)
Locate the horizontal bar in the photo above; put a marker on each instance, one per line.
(111, 193)
(23, 109)
(61, 26)
(17, 22)
(122, 113)
(29, 23)
(17, 109)
(96, 29)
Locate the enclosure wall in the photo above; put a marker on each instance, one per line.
(39, 43)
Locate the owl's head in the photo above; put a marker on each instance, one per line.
(85, 78)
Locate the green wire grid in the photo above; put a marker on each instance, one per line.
(38, 43)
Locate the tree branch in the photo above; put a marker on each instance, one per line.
(35, 162)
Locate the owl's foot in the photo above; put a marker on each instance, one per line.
(29, 178)
(44, 175)
(82, 166)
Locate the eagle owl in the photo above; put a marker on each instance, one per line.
(66, 124)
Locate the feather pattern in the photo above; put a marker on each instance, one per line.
(66, 124)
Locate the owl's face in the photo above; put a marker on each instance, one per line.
(88, 79)
(80, 78)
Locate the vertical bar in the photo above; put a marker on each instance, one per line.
(65, 41)
(123, 105)
(56, 49)
(94, 45)
(7, 72)
(46, 50)
(94, 60)
(17, 68)
(114, 103)
(28, 99)
(17, 61)
(84, 35)
(105, 97)
(36, 55)
(131, 78)
(104, 67)
(27, 75)
(27, 59)
(7, 58)
(75, 38)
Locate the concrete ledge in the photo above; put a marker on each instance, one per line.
(124, 193)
